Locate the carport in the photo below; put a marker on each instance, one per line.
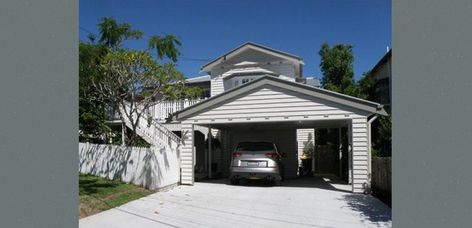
(273, 109)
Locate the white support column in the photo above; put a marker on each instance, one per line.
(187, 156)
(123, 132)
(360, 160)
(313, 155)
(340, 142)
(209, 151)
(349, 153)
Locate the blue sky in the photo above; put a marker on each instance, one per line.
(208, 29)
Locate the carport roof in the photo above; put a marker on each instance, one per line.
(357, 103)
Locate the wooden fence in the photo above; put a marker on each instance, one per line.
(382, 178)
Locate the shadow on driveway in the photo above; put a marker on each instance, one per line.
(367, 205)
(326, 182)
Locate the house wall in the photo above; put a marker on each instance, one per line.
(188, 154)
(359, 150)
(271, 102)
(217, 86)
(304, 136)
(219, 82)
(152, 168)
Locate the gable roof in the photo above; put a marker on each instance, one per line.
(382, 61)
(256, 47)
(343, 99)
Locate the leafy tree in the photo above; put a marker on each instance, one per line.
(382, 127)
(337, 68)
(113, 34)
(366, 87)
(123, 79)
(92, 118)
(130, 80)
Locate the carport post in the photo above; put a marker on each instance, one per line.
(123, 132)
(210, 136)
(349, 156)
(340, 144)
(187, 154)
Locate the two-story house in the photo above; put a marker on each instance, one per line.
(258, 93)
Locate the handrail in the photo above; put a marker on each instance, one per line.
(161, 110)
(155, 133)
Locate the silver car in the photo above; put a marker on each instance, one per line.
(256, 160)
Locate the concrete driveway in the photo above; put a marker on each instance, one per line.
(309, 202)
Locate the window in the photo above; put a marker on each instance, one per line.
(236, 83)
(245, 80)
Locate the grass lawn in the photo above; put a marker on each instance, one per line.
(97, 194)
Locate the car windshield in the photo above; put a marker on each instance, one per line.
(255, 146)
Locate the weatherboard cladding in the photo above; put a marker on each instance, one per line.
(269, 102)
(187, 156)
(359, 154)
(216, 86)
(267, 99)
(351, 104)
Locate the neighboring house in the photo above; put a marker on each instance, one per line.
(382, 74)
(259, 93)
(204, 82)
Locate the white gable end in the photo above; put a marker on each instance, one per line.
(275, 103)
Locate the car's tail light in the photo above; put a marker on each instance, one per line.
(272, 155)
(236, 154)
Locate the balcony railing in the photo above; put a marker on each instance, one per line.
(162, 110)
(159, 111)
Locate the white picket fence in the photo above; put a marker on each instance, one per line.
(153, 168)
(162, 110)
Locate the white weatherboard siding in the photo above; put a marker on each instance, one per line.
(271, 103)
(187, 157)
(359, 154)
(304, 136)
(220, 81)
(282, 69)
(217, 86)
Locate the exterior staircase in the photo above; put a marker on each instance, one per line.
(154, 133)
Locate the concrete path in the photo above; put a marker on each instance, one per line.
(311, 202)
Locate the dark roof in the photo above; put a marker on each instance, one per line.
(382, 61)
(255, 45)
(297, 87)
